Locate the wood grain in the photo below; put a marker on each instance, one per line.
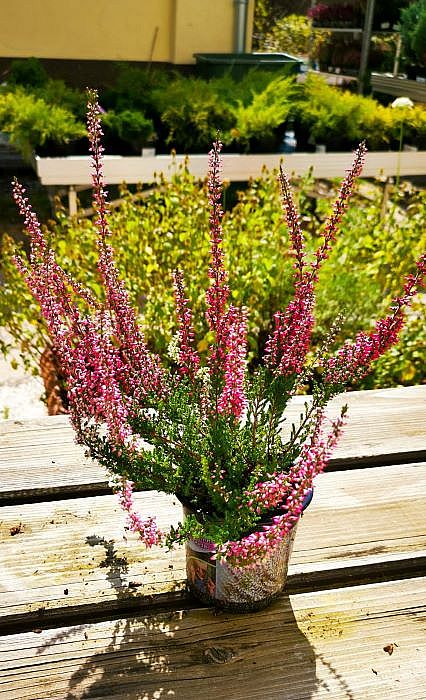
(71, 557)
(313, 645)
(40, 458)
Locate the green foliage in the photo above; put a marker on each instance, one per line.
(191, 113)
(192, 110)
(371, 256)
(27, 72)
(30, 121)
(133, 88)
(185, 113)
(267, 110)
(337, 118)
(295, 35)
(412, 27)
(418, 42)
(232, 92)
(131, 126)
(19, 313)
(56, 92)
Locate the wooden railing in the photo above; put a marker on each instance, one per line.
(74, 172)
(399, 87)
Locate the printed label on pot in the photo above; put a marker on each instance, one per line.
(218, 580)
(201, 570)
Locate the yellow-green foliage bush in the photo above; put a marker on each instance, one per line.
(339, 118)
(295, 35)
(30, 121)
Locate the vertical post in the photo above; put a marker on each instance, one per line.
(397, 55)
(365, 49)
(386, 191)
(72, 201)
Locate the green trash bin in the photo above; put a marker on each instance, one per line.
(214, 65)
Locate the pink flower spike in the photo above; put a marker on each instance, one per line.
(293, 223)
(353, 360)
(144, 371)
(233, 399)
(147, 530)
(189, 360)
(218, 292)
(314, 457)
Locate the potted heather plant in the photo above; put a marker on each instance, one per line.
(211, 432)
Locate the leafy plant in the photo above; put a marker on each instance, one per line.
(267, 111)
(233, 92)
(31, 122)
(412, 27)
(418, 41)
(56, 92)
(130, 126)
(295, 35)
(27, 72)
(336, 117)
(191, 113)
(133, 88)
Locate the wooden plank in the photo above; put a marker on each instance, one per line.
(38, 458)
(71, 558)
(75, 170)
(312, 645)
(399, 87)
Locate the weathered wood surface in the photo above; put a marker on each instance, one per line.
(38, 458)
(75, 170)
(71, 557)
(66, 563)
(399, 87)
(314, 645)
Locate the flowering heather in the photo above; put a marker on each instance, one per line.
(210, 433)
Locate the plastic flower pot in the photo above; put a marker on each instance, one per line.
(238, 588)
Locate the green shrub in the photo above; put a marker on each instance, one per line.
(266, 111)
(133, 88)
(27, 72)
(412, 26)
(418, 41)
(191, 113)
(130, 126)
(56, 92)
(31, 122)
(234, 92)
(295, 35)
(337, 118)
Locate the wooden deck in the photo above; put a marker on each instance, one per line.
(87, 612)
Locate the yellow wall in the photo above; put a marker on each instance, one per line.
(131, 30)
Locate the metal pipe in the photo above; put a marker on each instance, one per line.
(241, 9)
(365, 49)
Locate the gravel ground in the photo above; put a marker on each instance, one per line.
(20, 392)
